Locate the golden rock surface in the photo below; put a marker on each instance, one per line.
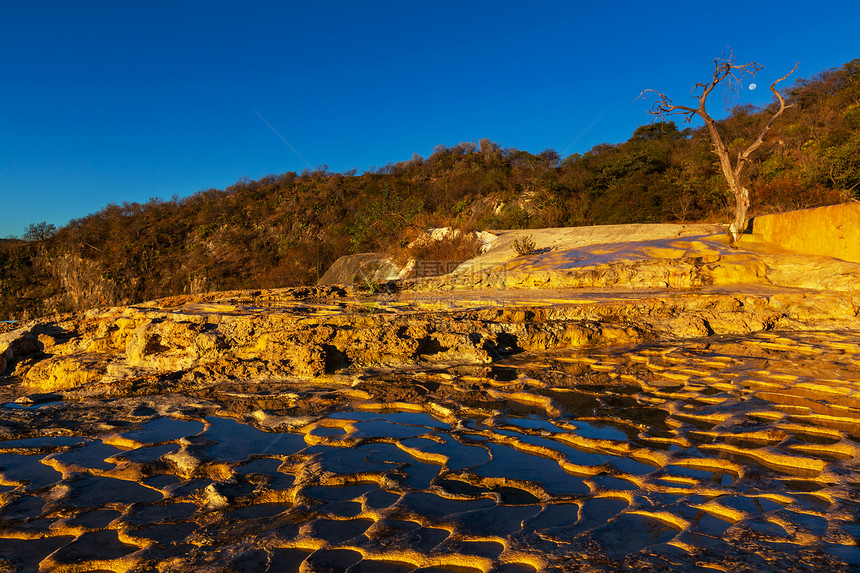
(673, 404)
(832, 231)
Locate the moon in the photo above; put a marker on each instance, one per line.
(753, 86)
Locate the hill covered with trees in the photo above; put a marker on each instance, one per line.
(285, 230)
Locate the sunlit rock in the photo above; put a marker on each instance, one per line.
(669, 403)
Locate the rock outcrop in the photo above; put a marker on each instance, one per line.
(687, 405)
(832, 231)
(322, 331)
(682, 263)
(282, 334)
(364, 268)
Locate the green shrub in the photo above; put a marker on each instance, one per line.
(525, 246)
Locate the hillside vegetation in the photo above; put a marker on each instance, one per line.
(285, 230)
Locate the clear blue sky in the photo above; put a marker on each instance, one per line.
(122, 101)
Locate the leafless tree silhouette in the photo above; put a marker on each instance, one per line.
(729, 73)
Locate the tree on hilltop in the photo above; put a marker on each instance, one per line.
(725, 70)
(40, 231)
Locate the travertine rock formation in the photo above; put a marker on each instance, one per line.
(832, 231)
(688, 262)
(725, 452)
(686, 406)
(279, 334)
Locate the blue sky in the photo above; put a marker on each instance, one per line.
(123, 101)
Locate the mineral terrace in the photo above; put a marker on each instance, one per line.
(664, 403)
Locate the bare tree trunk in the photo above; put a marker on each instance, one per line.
(742, 203)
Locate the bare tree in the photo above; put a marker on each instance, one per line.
(40, 231)
(725, 70)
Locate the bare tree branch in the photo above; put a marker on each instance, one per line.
(743, 157)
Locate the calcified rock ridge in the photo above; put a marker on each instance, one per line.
(510, 431)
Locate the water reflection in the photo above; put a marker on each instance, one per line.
(628, 457)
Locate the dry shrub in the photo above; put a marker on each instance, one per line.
(457, 247)
(525, 246)
(436, 257)
(788, 194)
